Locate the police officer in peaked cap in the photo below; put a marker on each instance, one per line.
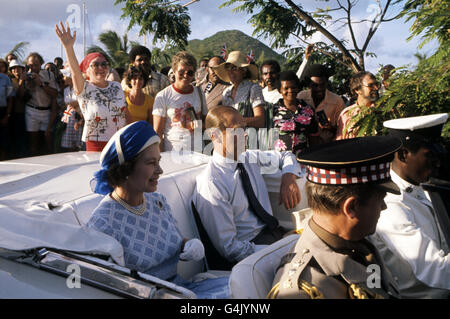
(347, 181)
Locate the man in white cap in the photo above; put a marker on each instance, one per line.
(408, 235)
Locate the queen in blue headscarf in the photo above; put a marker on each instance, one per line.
(138, 217)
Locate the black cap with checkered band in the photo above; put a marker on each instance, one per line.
(352, 161)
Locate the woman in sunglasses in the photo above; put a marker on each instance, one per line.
(102, 102)
(177, 109)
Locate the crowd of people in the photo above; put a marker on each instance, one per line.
(54, 107)
(134, 118)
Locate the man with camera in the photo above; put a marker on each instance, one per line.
(327, 105)
(40, 109)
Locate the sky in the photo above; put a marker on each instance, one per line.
(33, 21)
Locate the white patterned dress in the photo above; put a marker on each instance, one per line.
(103, 110)
(151, 242)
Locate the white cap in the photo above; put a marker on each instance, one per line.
(15, 63)
(417, 122)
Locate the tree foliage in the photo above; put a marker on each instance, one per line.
(424, 89)
(18, 50)
(278, 21)
(115, 48)
(160, 58)
(338, 83)
(167, 20)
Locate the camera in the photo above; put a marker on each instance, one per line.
(323, 120)
(30, 76)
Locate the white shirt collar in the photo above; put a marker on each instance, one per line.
(228, 163)
(223, 161)
(406, 187)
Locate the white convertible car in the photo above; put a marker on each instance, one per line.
(47, 252)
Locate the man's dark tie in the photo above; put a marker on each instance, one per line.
(253, 201)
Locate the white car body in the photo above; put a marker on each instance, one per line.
(45, 203)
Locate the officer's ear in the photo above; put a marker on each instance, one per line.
(349, 207)
(402, 155)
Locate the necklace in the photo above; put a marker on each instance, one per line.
(139, 211)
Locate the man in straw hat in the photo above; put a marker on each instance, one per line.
(243, 94)
(347, 181)
(409, 236)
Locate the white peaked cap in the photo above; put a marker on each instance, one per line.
(417, 122)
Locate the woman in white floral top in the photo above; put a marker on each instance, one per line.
(293, 118)
(102, 102)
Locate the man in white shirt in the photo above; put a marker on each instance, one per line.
(41, 108)
(228, 210)
(140, 55)
(270, 75)
(408, 236)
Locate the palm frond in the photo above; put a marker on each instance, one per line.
(18, 50)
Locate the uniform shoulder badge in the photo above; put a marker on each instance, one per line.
(356, 291)
(312, 291)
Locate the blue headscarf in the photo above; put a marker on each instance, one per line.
(124, 145)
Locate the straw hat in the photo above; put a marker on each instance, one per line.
(238, 59)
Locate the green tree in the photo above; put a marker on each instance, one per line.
(160, 58)
(426, 88)
(338, 83)
(115, 48)
(167, 20)
(278, 21)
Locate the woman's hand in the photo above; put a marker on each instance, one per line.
(193, 250)
(68, 40)
(64, 35)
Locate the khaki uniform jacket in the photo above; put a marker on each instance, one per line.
(319, 271)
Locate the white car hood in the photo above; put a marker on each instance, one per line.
(28, 185)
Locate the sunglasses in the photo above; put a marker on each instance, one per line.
(189, 73)
(97, 65)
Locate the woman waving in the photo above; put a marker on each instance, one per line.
(102, 102)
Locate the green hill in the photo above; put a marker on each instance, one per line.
(235, 41)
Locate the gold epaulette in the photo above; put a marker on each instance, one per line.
(356, 291)
(273, 293)
(312, 291)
